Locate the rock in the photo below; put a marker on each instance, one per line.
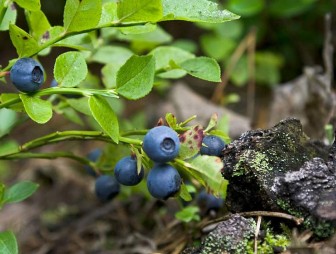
(230, 236)
(280, 169)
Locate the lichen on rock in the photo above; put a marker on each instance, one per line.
(281, 169)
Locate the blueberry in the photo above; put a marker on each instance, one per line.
(212, 145)
(126, 171)
(161, 144)
(53, 83)
(209, 202)
(163, 181)
(106, 187)
(27, 75)
(93, 156)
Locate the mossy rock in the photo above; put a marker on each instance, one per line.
(265, 166)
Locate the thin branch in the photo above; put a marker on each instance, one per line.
(297, 220)
(256, 235)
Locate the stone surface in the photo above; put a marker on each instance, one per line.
(280, 169)
(230, 236)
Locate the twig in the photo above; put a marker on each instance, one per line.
(328, 50)
(297, 220)
(256, 235)
(251, 48)
(237, 54)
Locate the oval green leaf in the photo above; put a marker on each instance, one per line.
(105, 116)
(140, 10)
(8, 243)
(135, 78)
(20, 191)
(70, 69)
(23, 42)
(81, 15)
(203, 67)
(31, 5)
(195, 11)
(37, 109)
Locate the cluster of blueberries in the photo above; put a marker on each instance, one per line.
(161, 144)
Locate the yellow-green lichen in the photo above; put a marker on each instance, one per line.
(254, 160)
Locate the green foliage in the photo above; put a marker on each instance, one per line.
(8, 244)
(135, 11)
(188, 214)
(37, 109)
(276, 24)
(271, 240)
(19, 191)
(134, 54)
(135, 78)
(70, 69)
(105, 116)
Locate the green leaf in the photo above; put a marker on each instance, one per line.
(81, 15)
(70, 69)
(81, 105)
(2, 193)
(195, 11)
(4, 97)
(38, 24)
(140, 10)
(164, 55)
(210, 167)
(203, 67)
(188, 214)
(31, 5)
(184, 194)
(239, 75)
(37, 109)
(8, 244)
(105, 116)
(109, 72)
(8, 146)
(9, 17)
(191, 142)
(136, 77)
(154, 37)
(217, 47)
(146, 28)
(246, 7)
(109, 13)
(212, 123)
(23, 42)
(111, 54)
(69, 113)
(8, 119)
(20, 191)
(288, 8)
(171, 120)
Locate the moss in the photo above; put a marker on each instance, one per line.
(255, 160)
(227, 242)
(270, 241)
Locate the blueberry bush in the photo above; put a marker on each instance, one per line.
(144, 60)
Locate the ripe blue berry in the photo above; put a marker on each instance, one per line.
(93, 156)
(212, 145)
(106, 187)
(163, 181)
(209, 202)
(27, 75)
(126, 171)
(161, 144)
